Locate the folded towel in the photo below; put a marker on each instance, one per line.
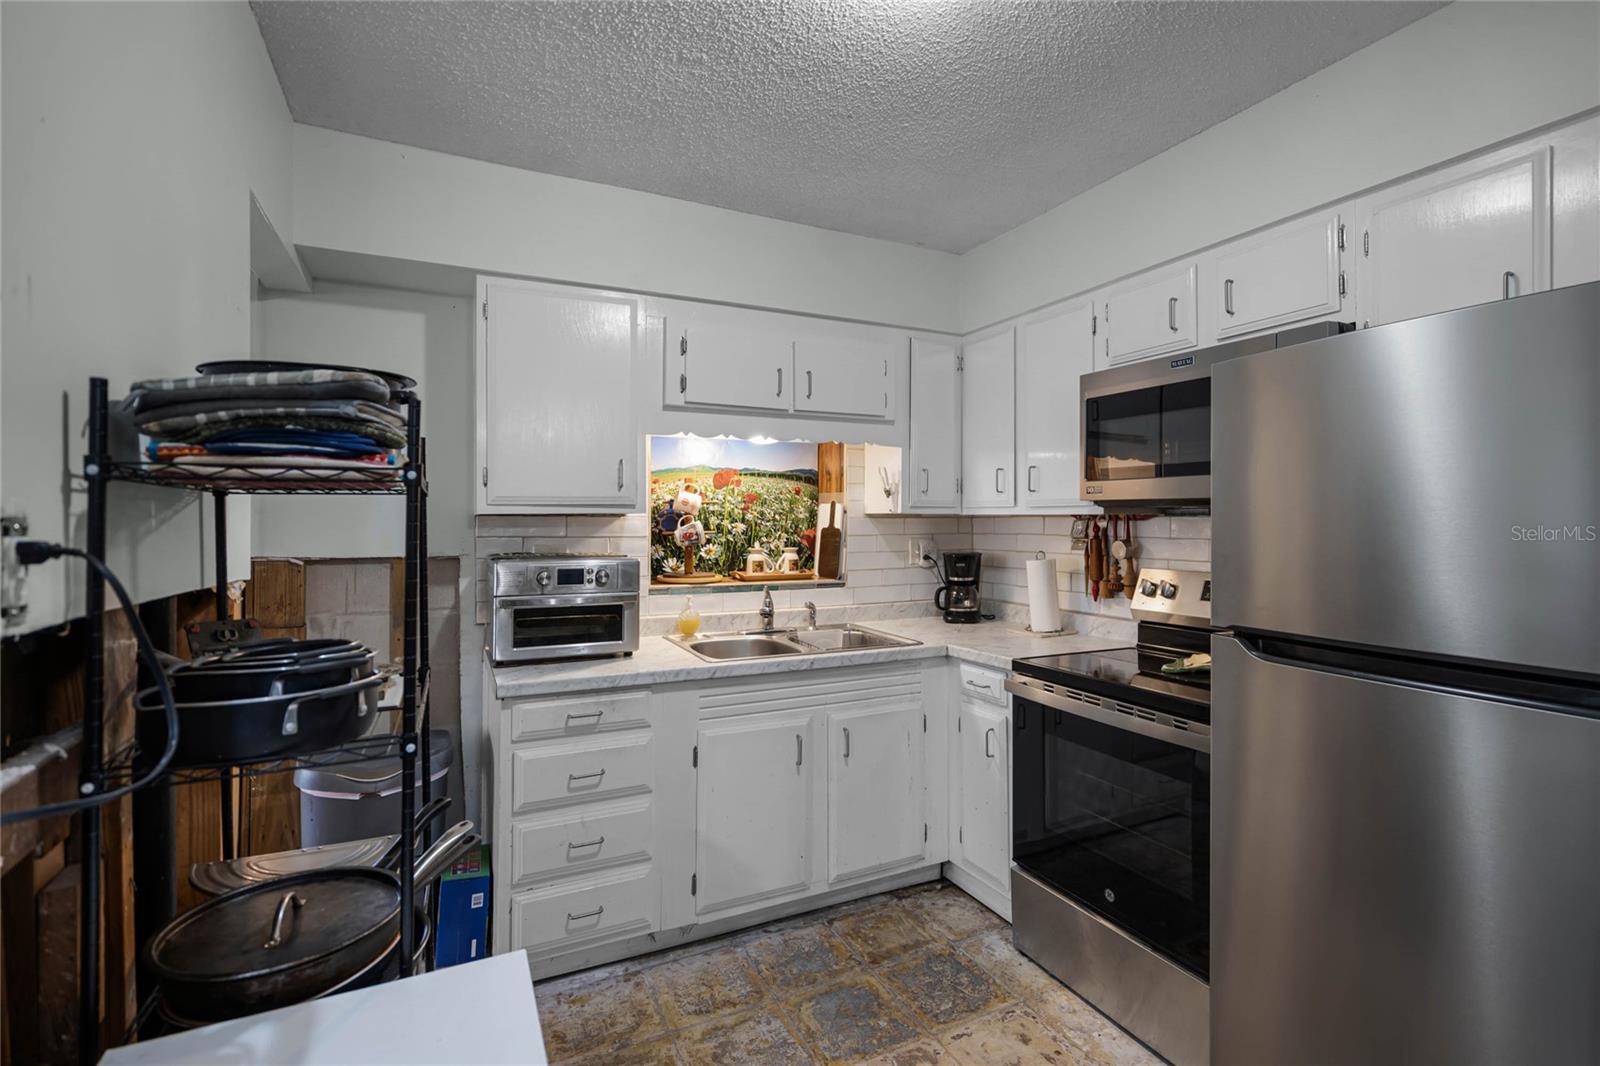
(266, 441)
(256, 387)
(193, 430)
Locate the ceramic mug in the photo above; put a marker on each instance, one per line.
(687, 503)
(758, 562)
(789, 563)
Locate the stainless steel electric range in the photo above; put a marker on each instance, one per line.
(1111, 798)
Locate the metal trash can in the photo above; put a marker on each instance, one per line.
(362, 799)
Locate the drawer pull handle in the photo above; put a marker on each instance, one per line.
(585, 777)
(586, 844)
(585, 714)
(597, 912)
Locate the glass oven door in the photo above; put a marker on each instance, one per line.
(1117, 820)
(544, 627)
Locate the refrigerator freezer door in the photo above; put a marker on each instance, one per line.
(1430, 486)
(1399, 874)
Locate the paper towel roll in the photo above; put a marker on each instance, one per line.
(1044, 609)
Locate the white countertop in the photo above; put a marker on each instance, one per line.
(477, 1012)
(661, 662)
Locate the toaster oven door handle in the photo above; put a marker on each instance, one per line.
(1195, 738)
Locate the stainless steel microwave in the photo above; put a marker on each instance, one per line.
(1145, 434)
(547, 607)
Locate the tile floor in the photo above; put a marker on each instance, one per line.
(925, 975)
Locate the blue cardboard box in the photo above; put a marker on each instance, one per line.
(464, 910)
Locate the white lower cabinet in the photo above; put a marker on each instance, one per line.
(753, 809)
(980, 789)
(876, 817)
(720, 802)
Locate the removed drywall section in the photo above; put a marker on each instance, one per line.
(380, 199)
(1463, 78)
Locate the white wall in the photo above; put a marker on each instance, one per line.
(428, 337)
(371, 197)
(1456, 81)
(133, 136)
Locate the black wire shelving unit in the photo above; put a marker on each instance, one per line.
(154, 845)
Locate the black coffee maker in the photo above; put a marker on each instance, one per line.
(958, 596)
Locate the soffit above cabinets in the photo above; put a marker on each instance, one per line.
(941, 124)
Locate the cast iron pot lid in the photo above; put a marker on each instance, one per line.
(226, 938)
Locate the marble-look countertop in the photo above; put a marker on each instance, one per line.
(661, 662)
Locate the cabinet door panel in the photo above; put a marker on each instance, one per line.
(988, 422)
(752, 810)
(850, 376)
(559, 423)
(1287, 275)
(933, 465)
(738, 366)
(1465, 237)
(1052, 353)
(875, 811)
(984, 832)
(1152, 315)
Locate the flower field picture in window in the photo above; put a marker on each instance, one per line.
(724, 509)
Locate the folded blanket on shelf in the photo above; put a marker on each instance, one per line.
(190, 431)
(223, 390)
(267, 441)
(186, 415)
(167, 452)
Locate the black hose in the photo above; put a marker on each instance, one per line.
(30, 552)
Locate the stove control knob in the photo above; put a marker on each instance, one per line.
(1169, 591)
(602, 578)
(1147, 587)
(542, 578)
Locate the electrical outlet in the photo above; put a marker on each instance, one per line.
(13, 575)
(913, 553)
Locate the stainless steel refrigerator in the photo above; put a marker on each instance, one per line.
(1406, 717)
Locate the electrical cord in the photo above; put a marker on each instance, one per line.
(33, 552)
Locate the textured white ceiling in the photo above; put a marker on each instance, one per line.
(934, 122)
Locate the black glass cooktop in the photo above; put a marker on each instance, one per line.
(1134, 674)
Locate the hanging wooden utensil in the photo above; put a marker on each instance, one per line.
(1097, 560)
(1113, 571)
(1130, 572)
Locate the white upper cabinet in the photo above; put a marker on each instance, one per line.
(1053, 351)
(988, 422)
(1286, 275)
(933, 463)
(1150, 315)
(557, 426)
(876, 817)
(850, 376)
(1467, 235)
(723, 364)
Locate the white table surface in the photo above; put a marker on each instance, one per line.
(477, 1012)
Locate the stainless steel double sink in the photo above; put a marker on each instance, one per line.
(768, 643)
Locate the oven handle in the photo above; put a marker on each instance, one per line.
(1191, 739)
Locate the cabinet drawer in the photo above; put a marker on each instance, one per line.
(573, 841)
(602, 767)
(981, 684)
(579, 715)
(623, 903)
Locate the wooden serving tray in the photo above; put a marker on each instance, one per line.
(801, 575)
(688, 579)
